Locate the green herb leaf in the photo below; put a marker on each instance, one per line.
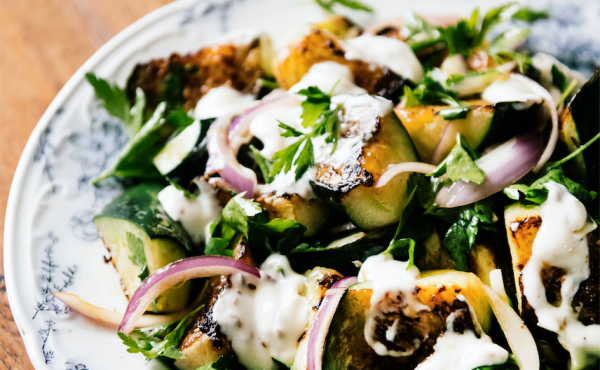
(327, 5)
(559, 79)
(510, 364)
(313, 106)
(411, 99)
(275, 235)
(218, 247)
(403, 248)
(504, 41)
(222, 363)
(432, 91)
(264, 165)
(491, 19)
(460, 163)
(305, 160)
(537, 193)
(284, 159)
(453, 113)
(152, 346)
(237, 211)
(527, 14)
(137, 255)
(289, 130)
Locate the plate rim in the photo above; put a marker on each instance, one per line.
(25, 160)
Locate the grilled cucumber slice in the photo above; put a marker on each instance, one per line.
(350, 185)
(346, 347)
(580, 123)
(141, 237)
(484, 124)
(184, 157)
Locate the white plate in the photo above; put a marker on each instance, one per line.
(50, 241)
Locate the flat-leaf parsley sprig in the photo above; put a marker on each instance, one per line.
(316, 113)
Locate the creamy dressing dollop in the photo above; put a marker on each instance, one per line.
(511, 90)
(325, 76)
(561, 242)
(221, 101)
(264, 318)
(195, 214)
(386, 52)
(464, 351)
(389, 278)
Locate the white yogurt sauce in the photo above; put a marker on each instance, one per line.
(388, 52)
(240, 37)
(222, 100)
(465, 351)
(325, 76)
(264, 318)
(561, 242)
(285, 183)
(265, 127)
(389, 278)
(511, 90)
(195, 214)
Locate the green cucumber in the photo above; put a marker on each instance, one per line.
(184, 156)
(143, 239)
(136, 157)
(580, 123)
(351, 187)
(340, 254)
(484, 124)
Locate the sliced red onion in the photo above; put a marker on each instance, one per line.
(176, 273)
(503, 166)
(222, 159)
(396, 169)
(239, 129)
(112, 318)
(448, 140)
(551, 105)
(318, 332)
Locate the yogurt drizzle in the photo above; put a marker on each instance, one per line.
(264, 318)
(561, 242)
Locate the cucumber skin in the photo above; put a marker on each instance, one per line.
(340, 259)
(140, 205)
(586, 115)
(508, 122)
(194, 163)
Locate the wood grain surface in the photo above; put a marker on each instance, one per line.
(42, 43)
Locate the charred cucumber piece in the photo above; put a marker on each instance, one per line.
(184, 156)
(346, 347)
(349, 183)
(483, 125)
(143, 239)
(580, 123)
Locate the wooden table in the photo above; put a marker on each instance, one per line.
(42, 43)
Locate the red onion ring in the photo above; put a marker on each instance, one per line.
(222, 160)
(318, 332)
(396, 169)
(240, 126)
(503, 166)
(551, 105)
(175, 273)
(112, 318)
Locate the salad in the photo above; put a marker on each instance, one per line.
(414, 194)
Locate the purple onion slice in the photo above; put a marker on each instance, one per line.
(318, 332)
(503, 166)
(222, 159)
(396, 169)
(176, 273)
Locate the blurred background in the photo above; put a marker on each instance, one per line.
(42, 43)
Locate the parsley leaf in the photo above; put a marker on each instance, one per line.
(277, 235)
(222, 363)
(301, 153)
(137, 256)
(153, 346)
(114, 99)
(433, 90)
(313, 106)
(536, 193)
(460, 163)
(529, 15)
(327, 5)
(218, 247)
(237, 211)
